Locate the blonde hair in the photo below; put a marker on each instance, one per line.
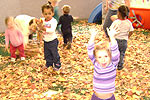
(66, 9)
(104, 45)
(9, 18)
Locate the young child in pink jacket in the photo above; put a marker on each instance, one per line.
(15, 37)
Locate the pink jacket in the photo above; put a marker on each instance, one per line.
(14, 36)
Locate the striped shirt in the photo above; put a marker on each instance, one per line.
(104, 78)
(114, 4)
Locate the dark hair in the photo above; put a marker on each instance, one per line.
(47, 6)
(124, 11)
(31, 22)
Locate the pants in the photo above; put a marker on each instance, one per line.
(122, 44)
(51, 53)
(108, 21)
(67, 38)
(13, 50)
(94, 97)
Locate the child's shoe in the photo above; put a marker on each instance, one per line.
(69, 46)
(119, 67)
(22, 58)
(13, 59)
(57, 67)
(64, 45)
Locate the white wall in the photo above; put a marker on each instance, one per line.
(79, 8)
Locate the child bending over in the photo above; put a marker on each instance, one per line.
(66, 28)
(105, 57)
(15, 37)
(126, 30)
(50, 38)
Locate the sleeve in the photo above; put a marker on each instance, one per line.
(59, 22)
(6, 38)
(90, 50)
(115, 53)
(131, 27)
(71, 19)
(52, 28)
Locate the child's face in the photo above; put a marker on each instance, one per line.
(11, 23)
(48, 14)
(103, 58)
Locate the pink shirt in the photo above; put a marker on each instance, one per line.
(14, 36)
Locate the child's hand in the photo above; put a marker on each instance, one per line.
(112, 31)
(6, 48)
(93, 32)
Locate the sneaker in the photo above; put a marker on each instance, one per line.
(57, 67)
(69, 46)
(22, 58)
(13, 59)
(64, 45)
(119, 67)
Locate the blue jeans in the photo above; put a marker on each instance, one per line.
(122, 44)
(94, 97)
(108, 21)
(51, 53)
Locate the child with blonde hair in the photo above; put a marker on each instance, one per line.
(65, 21)
(15, 37)
(105, 57)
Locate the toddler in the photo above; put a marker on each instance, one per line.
(126, 30)
(105, 57)
(50, 38)
(66, 28)
(15, 37)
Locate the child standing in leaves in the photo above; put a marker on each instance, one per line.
(50, 38)
(15, 37)
(105, 58)
(66, 28)
(126, 30)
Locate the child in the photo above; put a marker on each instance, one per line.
(66, 28)
(111, 8)
(105, 58)
(126, 28)
(15, 37)
(50, 38)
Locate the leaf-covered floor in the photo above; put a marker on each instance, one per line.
(26, 81)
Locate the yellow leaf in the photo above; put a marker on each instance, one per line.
(134, 89)
(62, 79)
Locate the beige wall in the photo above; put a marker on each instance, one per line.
(79, 8)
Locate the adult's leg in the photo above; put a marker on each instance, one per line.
(108, 21)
